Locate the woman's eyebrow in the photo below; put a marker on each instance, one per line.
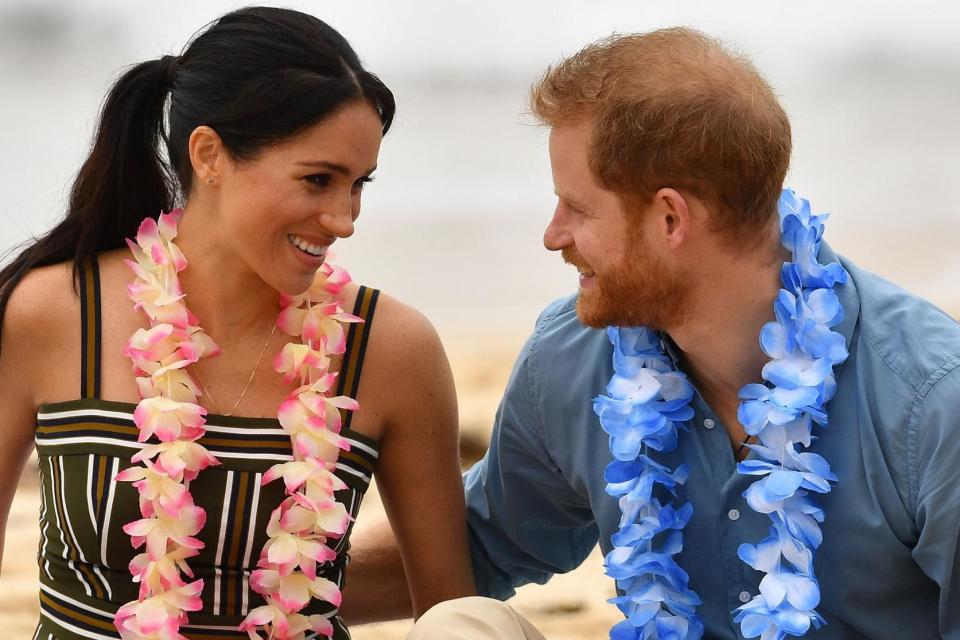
(332, 166)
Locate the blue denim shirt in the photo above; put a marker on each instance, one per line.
(889, 566)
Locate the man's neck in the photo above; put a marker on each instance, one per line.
(718, 335)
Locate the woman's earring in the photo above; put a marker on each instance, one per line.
(211, 180)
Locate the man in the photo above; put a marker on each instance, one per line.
(668, 155)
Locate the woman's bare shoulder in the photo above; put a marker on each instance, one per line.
(402, 334)
(404, 354)
(40, 325)
(43, 303)
(405, 372)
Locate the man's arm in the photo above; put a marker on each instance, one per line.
(525, 522)
(938, 495)
(376, 589)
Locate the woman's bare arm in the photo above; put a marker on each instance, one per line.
(31, 332)
(418, 471)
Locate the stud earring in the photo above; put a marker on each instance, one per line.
(211, 180)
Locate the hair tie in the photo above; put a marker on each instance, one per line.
(169, 65)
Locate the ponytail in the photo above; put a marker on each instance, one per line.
(121, 181)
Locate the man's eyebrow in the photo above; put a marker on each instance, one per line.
(577, 204)
(331, 166)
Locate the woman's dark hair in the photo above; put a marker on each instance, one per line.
(256, 76)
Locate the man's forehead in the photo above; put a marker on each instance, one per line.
(572, 132)
(569, 151)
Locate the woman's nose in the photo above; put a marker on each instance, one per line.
(339, 220)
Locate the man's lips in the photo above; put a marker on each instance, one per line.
(573, 259)
(585, 272)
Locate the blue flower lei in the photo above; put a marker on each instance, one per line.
(647, 402)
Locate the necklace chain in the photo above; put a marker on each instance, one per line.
(246, 338)
(743, 444)
(246, 387)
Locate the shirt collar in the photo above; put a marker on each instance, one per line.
(848, 294)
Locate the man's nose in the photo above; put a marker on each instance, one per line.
(556, 236)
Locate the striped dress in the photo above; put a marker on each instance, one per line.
(83, 444)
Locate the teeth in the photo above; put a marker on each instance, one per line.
(303, 245)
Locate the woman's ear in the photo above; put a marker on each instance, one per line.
(206, 152)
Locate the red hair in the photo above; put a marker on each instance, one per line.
(675, 108)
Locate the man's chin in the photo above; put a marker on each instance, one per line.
(599, 312)
(595, 313)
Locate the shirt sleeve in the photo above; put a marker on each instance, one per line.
(937, 482)
(525, 521)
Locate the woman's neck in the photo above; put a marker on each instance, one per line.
(230, 300)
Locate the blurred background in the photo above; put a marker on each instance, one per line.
(453, 223)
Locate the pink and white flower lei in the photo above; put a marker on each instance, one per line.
(301, 527)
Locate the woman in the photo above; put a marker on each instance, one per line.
(148, 472)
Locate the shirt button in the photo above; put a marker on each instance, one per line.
(744, 597)
(709, 423)
(733, 514)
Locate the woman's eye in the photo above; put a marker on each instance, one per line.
(359, 184)
(318, 179)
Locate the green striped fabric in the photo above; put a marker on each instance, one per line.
(84, 553)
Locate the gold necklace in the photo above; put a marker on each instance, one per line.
(246, 387)
(245, 338)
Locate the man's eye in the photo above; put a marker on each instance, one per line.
(318, 179)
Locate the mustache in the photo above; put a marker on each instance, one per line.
(572, 257)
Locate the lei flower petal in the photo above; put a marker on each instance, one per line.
(168, 420)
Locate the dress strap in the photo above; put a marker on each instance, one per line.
(357, 338)
(89, 273)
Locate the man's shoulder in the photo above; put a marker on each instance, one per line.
(559, 328)
(559, 314)
(562, 348)
(914, 338)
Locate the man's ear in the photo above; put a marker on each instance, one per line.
(669, 217)
(207, 153)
